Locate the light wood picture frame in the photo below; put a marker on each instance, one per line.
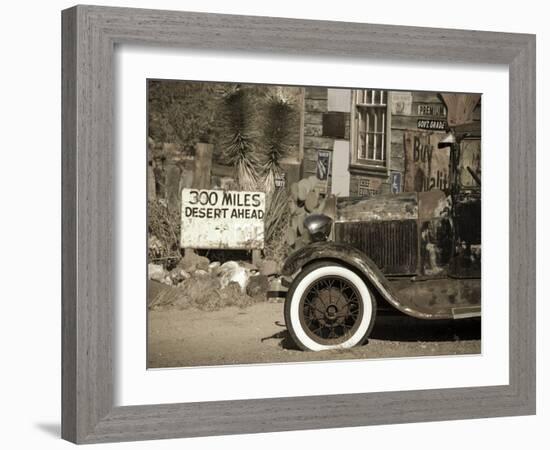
(90, 34)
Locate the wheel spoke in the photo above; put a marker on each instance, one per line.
(331, 309)
(312, 303)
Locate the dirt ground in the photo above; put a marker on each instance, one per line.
(257, 334)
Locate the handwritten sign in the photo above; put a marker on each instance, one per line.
(215, 219)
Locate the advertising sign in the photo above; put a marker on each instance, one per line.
(435, 110)
(369, 186)
(216, 219)
(401, 103)
(426, 165)
(395, 182)
(280, 180)
(470, 162)
(323, 164)
(431, 124)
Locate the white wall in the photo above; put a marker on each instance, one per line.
(30, 225)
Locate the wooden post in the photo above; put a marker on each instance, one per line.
(201, 172)
(173, 193)
(203, 165)
(151, 182)
(302, 106)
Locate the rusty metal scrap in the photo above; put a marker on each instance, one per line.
(381, 207)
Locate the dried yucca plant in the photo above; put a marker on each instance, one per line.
(240, 151)
(277, 130)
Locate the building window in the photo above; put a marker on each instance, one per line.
(370, 127)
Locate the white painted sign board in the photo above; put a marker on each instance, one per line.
(340, 169)
(217, 219)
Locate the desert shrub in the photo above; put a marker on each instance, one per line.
(276, 224)
(163, 226)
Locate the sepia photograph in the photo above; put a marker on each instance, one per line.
(309, 223)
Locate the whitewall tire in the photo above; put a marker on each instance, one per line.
(329, 306)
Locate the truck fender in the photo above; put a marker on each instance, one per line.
(353, 258)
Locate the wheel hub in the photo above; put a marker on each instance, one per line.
(331, 312)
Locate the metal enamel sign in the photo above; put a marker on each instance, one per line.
(431, 124)
(216, 219)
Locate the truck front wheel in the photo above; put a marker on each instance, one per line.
(328, 306)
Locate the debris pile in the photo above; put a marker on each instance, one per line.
(197, 282)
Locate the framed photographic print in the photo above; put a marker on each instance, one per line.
(266, 230)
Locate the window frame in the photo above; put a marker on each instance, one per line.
(381, 165)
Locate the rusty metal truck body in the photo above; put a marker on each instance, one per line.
(418, 253)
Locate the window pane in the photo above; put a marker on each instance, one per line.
(370, 143)
(362, 153)
(383, 146)
(370, 119)
(381, 120)
(379, 147)
(371, 124)
(361, 121)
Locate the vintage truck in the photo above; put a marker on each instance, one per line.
(418, 253)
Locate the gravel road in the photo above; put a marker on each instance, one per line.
(257, 334)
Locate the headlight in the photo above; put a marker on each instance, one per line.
(318, 226)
